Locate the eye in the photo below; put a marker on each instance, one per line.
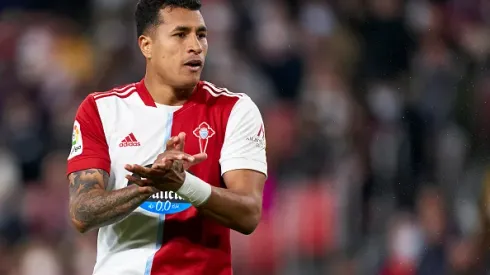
(180, 35)
(202, 35)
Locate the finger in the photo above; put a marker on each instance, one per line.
(134, 168)
(146, 172)
(172, 142)
(134, 179)
(162, 166)
(180, 146)
(129, 167)
(137, 169)
(171, 156)
(138, 181)
(167, 165)
(185, 157)
(198, 158)
(164, 163)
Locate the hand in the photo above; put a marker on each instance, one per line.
(168, 171)
(174, 153)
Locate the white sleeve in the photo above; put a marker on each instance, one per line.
(244, 144)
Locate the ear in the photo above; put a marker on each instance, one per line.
(145, 43)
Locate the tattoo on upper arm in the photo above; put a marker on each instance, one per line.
(83, 181)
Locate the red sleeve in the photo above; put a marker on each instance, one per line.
(89, 146)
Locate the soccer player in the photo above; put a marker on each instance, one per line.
(165, 167)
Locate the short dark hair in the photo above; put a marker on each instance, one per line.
(147, 11)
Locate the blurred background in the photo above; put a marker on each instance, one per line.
(377, 115)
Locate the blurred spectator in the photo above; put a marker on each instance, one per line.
(404, 247)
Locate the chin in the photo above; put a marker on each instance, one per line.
(189, 82)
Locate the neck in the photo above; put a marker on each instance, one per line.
(165, 94)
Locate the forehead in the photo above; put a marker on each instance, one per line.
(175, 16)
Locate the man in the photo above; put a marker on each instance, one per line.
(131, 148)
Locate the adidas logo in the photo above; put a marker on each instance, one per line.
(129, 141)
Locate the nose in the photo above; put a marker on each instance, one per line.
(195, 45)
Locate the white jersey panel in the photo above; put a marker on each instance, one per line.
(135, 134)
(244, 144)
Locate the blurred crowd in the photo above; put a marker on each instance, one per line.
(376, 114)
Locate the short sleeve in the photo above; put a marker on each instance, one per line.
(244, 144)
(89, 148)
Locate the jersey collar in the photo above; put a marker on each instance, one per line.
(144, 94)
(148, 99)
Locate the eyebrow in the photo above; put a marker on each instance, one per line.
(188, 29)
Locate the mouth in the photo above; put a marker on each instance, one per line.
(194, 64)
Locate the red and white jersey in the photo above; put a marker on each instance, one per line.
(166, 234)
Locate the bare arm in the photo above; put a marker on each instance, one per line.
(240, 206)
(91, 206)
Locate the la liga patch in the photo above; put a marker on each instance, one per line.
(76, 141)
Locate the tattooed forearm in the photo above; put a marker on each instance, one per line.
(91, 206)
